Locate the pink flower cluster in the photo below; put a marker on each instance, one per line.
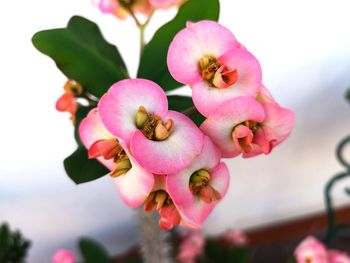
(160, 158)
(226, 81)
(313, 251)
(191, 247)
(119, 8)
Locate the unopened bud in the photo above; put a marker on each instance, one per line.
(71, 86)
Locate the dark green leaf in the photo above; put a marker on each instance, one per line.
(82, 54)
(185, 104)
(153, 61)
(238, 255)
(347, 95)
(93, 252)
(81, 169)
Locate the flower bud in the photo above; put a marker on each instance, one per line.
(122, 166)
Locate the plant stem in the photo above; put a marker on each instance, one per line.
(155, 247)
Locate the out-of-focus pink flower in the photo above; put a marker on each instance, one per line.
(311, 250)
(67, 102)
(335, 256)
(63, 256)
(133, 182)
(165, 3)
(197, 189)
(236, 237)
(206, 56)
(243, 125)
(191, 247)
(119, 8)
(136, 111)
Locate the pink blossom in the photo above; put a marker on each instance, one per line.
(63, 256)
(133, 182)
(159, 200)
(311, 250)
(119, 9)
(165, 3)
(243, 125)
(191, 247)
(136, 111)
(335, 256)
(206, 56)
(197, 189)
(236, 237)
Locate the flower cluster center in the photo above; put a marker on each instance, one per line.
(208, 66)
(152, 126)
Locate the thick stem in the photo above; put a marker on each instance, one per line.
(155, 246)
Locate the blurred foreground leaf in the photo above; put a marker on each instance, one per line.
(93, 252)
(13, 246)
(153, 64)
(82, 54)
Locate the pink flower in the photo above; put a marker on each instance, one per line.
(119, 8)
(133, 182)
(63, 256)
(335, 256)
(136, 111)
(159, 200)
(197, 189)
(67, 102)
(206, 56)
(311, 250)
(165, 3)
(191, 247)
(236, 237)
(243, 125)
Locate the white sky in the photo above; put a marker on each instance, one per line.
(304, 49)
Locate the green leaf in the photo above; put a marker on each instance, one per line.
(82, 54)
(93, 252)
(153, 64)
(81, 169)
(347, 95)
(182, 104)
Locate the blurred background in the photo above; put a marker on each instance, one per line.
(304, 50)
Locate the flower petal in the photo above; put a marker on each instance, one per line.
(135, 185)
(207, 98)
(278, 123)
(119, 106)
(91, 130)
(172, 154)
(220, 123)
(194, 42)
(192, 209)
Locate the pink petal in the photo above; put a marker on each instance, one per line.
(169, 217)
(63, 256)
(119, 106)
(193, 210)
(278, 123)
(194, 42)
(164, 3)
(172, 154)
(242, 138)
(106, 6)
(335, 256)
(135, 185)
(312, 249)
(248, 83)
(91, 130)
(220, 123)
